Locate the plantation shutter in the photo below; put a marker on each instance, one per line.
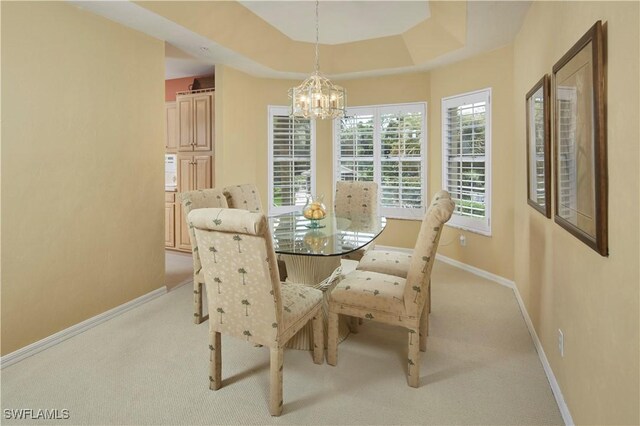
(401, 165)
(291, 165)
(385, 144)
(355, 146)
(466, 165)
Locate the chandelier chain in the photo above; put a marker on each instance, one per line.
(317, 38)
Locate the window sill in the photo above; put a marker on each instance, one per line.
(484, 233)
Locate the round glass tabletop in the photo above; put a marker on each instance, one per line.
(334, 236)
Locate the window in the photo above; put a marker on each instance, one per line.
(291, 160)
(387, 145)
(466, 167)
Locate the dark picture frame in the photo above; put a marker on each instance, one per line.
(538, 115)
(580, 141)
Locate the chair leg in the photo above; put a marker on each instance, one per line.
(354, 325)
(414, 360)
(197, 303)
(318, 338)
(332, 339)
(282, 270)
(424, 328)
(215, 361)
(275, 393)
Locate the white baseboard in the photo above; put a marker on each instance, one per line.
(555, 387)
(74, 330)
(477, 271)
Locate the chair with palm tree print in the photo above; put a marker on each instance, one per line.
(247, 197)
(393, 262)
(191, 200)
(356, 200)
(391, 299)
(245, 297)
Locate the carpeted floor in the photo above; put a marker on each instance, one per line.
(178, 268)
(150, 366)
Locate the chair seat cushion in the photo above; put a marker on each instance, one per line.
(371, 290)
(297, 301)
(386, 262)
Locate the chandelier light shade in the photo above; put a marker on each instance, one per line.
(317, 97)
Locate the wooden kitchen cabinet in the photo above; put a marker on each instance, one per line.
(194, 122)
(170, 219)
(194, 172)
(194, 144)
(169, 225)
(171, 135)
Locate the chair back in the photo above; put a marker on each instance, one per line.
(439, 195)
(244, 197)
(240, 273)
(200, 199)
(424, 253)
(355, 198)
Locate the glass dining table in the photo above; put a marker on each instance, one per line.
(312, 255)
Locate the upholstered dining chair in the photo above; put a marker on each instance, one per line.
(197, 200)
(391, 299)
(247, 197)
(355, 199)
(245, 296)
(394, 262)
(389, 261)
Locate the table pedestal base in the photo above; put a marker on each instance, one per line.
(312, 271)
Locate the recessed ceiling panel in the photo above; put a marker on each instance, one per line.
(340, 21)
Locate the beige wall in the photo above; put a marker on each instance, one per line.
(392, 90)
(565, 284)
(82, 163)
(242, 127)
(490, 70)
(241, 116)
(242, 131)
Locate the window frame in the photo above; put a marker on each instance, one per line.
(277, 110)
(476, 225)
(376, 111)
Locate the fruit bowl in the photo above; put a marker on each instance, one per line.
(315, 211)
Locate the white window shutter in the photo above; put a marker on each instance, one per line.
(466, 168)
(291, 161)
(385, 144)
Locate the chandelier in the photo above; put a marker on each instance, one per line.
(317, 97)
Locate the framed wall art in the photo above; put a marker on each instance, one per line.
(580, 141)
(539, 146)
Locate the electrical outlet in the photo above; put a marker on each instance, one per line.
(561, 343)
(463, 240)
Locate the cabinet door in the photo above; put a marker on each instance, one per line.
(169, 225)
(202, 122)
(170, 117)
(202, 172)
(185, 173)
(183, 242)
(184, 123)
